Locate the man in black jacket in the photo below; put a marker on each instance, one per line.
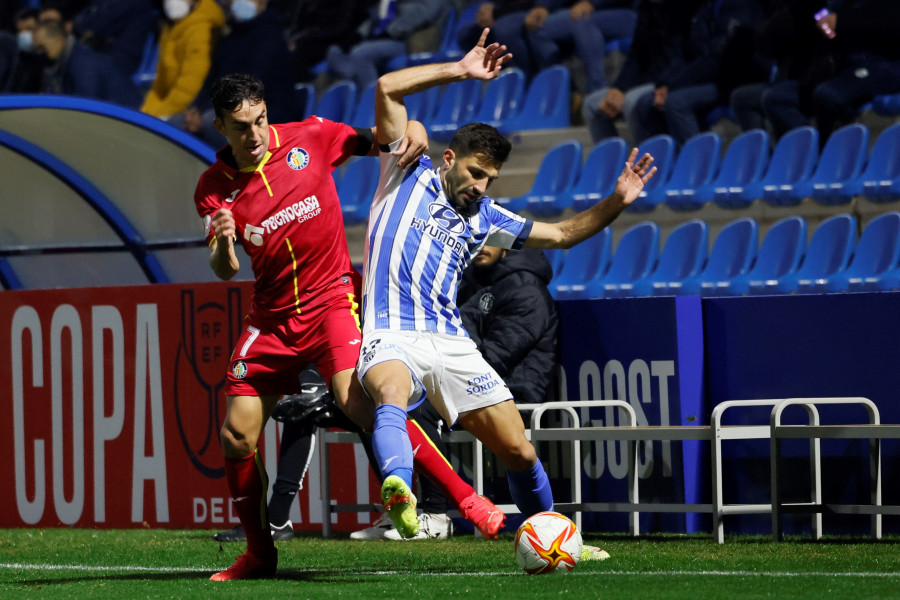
(510, 315)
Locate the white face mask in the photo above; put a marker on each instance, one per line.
(26, 40)
(176, 10)
(244, 10)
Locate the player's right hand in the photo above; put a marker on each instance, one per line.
(224, 227)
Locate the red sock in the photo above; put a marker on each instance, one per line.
(247, 482)
(430, 462)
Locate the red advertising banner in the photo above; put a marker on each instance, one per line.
(113, 406)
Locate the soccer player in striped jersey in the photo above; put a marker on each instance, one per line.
(426, 224)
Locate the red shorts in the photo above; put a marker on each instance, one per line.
(271, 353)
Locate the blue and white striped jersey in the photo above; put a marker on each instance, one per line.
(417, 246)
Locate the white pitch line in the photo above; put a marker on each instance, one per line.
(144, 569)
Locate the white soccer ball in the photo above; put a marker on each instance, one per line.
(548, 542)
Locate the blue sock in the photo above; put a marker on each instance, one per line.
(530, 489)
(390, 442)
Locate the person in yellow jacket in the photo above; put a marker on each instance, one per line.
(186, 44)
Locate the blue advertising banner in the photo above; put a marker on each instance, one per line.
(648, 352)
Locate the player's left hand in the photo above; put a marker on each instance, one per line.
(414, 144)
(634, 176)
(484, 63)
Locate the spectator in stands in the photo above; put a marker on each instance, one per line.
(861, 59)
(688, 90)
(185, 54)
(253, 24)
(76, 70)
(508, 312)
(586, 24)
(117, 28)
(313, 26)
(20, 67)
(506, 20)
(388, 35)
(657, 45)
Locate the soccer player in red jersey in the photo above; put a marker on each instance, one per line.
(271, 189)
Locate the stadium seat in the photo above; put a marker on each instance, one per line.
(877, 253)
(337, 102)
(547, 103)
(304, 100)
(556, 175)
(421, 105)
(696, 165)
(598, 176)
(662, 149)
(364, 114)
(557, 258)
(635, 255)
(585, 262)
(683, 255)
(829, 251)
(356, 188)
(501, 96)
(843, 158)
(880, 182)
(887, 105)
(744, 161)
(456, 107)
(145, 74)
(732, 254)
(793, 160)
(779, 255)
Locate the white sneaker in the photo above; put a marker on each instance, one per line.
(377, 531)
(431, 526)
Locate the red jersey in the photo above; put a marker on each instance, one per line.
(287, 213)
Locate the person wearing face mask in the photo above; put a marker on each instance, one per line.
(186, 45)
(76, 70)
(253, 24)
(20, 67)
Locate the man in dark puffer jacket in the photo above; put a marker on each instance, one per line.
(510, 315)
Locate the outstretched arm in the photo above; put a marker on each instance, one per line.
(585, 224)
(390, 113)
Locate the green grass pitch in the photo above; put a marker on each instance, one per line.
(77, 563)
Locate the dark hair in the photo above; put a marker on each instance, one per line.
(480, 139)
(229, 92)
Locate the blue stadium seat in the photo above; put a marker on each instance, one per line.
(697, 164)
(635, 255)
(556, 175)
(779, 255)
(364, 115)
(662, 149)
(421, 105)
(547, 103)
(456, 107)
(744, 161)
(598, 177)
(584, 263)
(304, 100)
(877, 253)
(732, 254)
(793, 160)
(843, 158)
(683, 255)
(887, 105)
(337, 102)
(356, 188)
(880, 182)
(501, 97)
(145, 74)
(557, 258)
(829, 251)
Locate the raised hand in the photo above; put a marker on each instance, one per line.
(633, 177)
(484, 62)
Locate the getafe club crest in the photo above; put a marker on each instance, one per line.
(297, 158)
(239, 370)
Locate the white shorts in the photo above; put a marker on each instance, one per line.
(448, 369)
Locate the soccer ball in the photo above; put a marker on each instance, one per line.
(547, 542)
